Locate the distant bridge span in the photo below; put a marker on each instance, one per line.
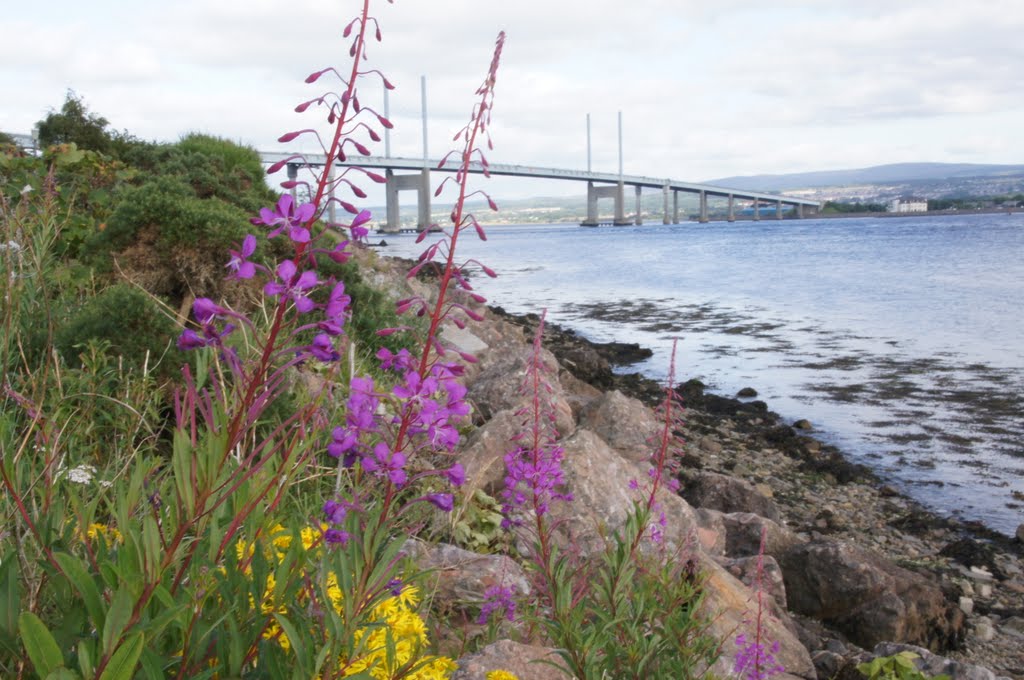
(599, 185)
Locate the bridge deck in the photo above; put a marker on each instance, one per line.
(550, 173)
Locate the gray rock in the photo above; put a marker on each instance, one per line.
(743, 535)
(867, 597)
(625, 424)
(728, 494)
(527, 662)
(746, 570)
(460, 578)
(1020, 533)
(803, 424)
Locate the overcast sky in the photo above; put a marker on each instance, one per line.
(708, 88)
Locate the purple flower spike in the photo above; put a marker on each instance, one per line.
(287, 216)
(239, 263)
(497, 599)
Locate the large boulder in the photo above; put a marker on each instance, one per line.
(767, 575)
(743, 532)
(483, 454)
(600, 481)
(460, 578)
(733, 610)
(626, 425)
(501, 382)
(867, 597)
(527, 662)
(728, 494)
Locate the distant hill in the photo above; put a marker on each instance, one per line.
(897, 173)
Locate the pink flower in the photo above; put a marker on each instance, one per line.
(287, 216)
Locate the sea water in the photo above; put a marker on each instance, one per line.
(900, 339)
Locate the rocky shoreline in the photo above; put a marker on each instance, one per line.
(819, 493)
(855, 568)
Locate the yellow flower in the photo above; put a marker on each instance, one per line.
(500, 675)
(108, 534)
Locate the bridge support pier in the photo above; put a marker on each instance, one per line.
(703, 207)
(638, 219)
(420, 182)
(675, 207)
(799, 211)
(757, 210)
(615, 193)
(778, 210)
(732, 208)
(293, 175)
(664, 204)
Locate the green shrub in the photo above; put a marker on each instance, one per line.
(127, 320)
(896, 667)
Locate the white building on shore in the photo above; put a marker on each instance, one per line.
(907, 205)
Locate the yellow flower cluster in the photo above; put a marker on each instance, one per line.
(500, 675)
(403, 629)
(108, 534)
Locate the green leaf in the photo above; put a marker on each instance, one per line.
(42, 649)
(63, 674)
(117, 618)
(85, 655)
(10, 594)
(85, 585)
(122, 664)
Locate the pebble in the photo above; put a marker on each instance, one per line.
(967, 605)
(985, 631)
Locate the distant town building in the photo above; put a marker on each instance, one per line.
(907, 205)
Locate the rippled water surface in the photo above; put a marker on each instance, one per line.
(899, 339)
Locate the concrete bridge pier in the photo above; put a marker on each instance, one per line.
(664, 205)
(732, 208)
(778, 210)
(638, 220)
(757, 210)
(419, 182)
(799, 211)
(615, 193)
(675, 207)
(703, 207)
(293, 175)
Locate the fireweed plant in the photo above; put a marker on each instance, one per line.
(634, 609)
(213, 560)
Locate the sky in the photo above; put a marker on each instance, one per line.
(707, 88)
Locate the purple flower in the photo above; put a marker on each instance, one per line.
(456, 475)
(337, 304)
(189, 339)
(535, 475)
(395, 585)
(497, 598)
(441, 501)
(287, 216)
(336, 537)
(335, 511)
(386, 463)
(401, 362)
(239, 263)
(357, 228)
(205, 309)
(292, 285)
(323, 349)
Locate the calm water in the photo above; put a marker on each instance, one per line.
(899, 339)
